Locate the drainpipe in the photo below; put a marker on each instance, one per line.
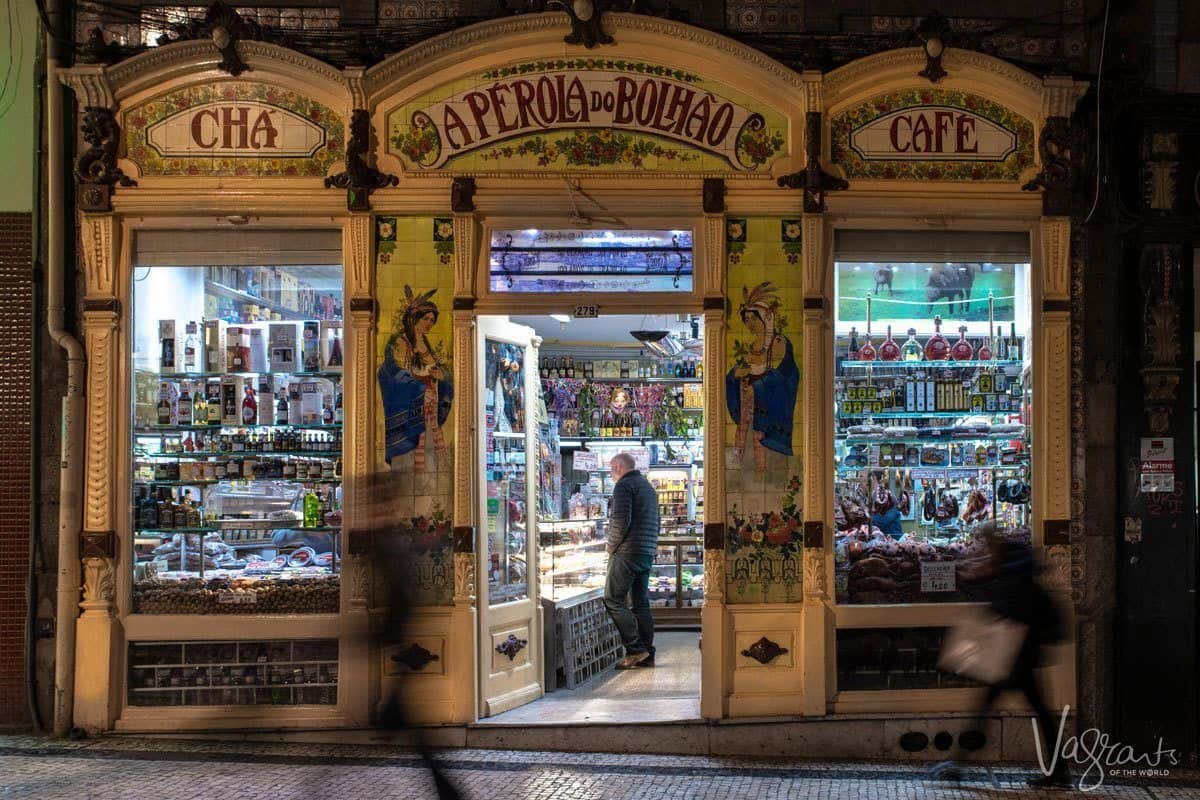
(70, 492)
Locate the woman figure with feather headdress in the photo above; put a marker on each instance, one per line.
(761, 388)
(414, 381)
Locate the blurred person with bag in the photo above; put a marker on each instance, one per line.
(1002, 650)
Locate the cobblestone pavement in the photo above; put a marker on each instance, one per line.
(123, 768)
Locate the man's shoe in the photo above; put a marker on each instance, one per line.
(649, 662)
(632, 660)
(1055, 781)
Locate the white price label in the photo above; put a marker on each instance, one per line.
(587, 312)
(244, 598)
(937, 576)
(641, 458)
(585, 461)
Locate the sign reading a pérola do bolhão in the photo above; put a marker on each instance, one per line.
(574, 114)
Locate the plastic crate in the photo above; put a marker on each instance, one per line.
(590, 643)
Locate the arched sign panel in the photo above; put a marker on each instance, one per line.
(931, 134)
(586, 114)
(233, 128)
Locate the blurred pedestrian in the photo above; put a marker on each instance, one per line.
(1008, 577)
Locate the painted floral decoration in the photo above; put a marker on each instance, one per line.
(618, 65)
(443, 238)
(591, 148)
(789, 232)
(421, 143)
(735, 239)
(385, 238)
(139, 118)
(756, 145)
(779, 531)
(855, 167)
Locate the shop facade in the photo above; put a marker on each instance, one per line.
(372, 213)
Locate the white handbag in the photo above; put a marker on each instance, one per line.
(983, 648)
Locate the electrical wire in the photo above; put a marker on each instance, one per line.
(1099, 78)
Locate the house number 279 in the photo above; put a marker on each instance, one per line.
(587, 311)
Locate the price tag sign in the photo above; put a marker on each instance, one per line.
(585, 461)
(248, 597)
(587, 311)
(641, 458)
(937, 576)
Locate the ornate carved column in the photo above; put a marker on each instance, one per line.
(98, 635)
(1054, 409)
(817, 436)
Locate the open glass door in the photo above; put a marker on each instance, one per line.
(510, 665)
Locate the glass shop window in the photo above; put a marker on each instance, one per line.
(236, 362)
(584, 260)
(933, 370)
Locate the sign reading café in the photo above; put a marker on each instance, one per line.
(586, 114)
(932, 134)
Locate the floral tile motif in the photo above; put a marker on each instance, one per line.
(735, 239)
(137, 120)
(945, 170)
(592, 148)
(443, 238)
(789, 236)
(385, 238)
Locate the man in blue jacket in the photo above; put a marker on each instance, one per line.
(632, 543)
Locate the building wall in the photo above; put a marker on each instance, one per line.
(16, 336)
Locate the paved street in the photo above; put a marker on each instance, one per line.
(122, 768)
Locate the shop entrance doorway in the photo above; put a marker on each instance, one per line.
(561, 396)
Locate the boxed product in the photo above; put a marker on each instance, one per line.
(266, 399)
(310, 346)
(214, 345)
(237, 349)
(331, 345)
(233, 387)
(258, 349)
(212, 396)
(312, 402)
(171, 345)
(193, 347)
(289, 291)
(283, 346)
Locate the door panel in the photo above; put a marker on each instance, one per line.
(510, 659)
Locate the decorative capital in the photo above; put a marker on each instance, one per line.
(511, 646)
(1055, 146)
(462, 195)
(360, 178)
(587, 21)
(764, 651)
(1060, 94)
(90, 84)
(714, 196)
(934, 32)
(96, 170)
(814, 180)
(415, 657)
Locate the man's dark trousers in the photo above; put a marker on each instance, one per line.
(629, 575)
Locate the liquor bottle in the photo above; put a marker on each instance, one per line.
(554, 373)
(543, 369)
(867, 351)
(312, 509)
(570, 367)
(339, 413)
(249, 407)
(889, 350)
(186, 410)
(853, 354)
(1016, 351)
(985, 350)
(327, 414)
(700, 368)
(911, 351)
(164, 405)
(168, 354)
(962, 350)
(281, 408)
(191, 348)
(214, 406)
(937, 348)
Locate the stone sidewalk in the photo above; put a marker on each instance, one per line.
(127, 768)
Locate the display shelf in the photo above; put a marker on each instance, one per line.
(847, 470)
(631, 380)
(947, 364)
(567, 521)
(555, 549)
(196, 454)
(206, 687)
(577, 440)
(942, 439)
(238, 296)
(171, 531)
(234, 480)
(928, 414)
(157, 430)
(506, 434)
(184, 376)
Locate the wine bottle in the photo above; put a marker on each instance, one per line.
(853, 354)
(249, 407)
(911, 351)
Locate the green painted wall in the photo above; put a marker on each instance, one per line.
(19, 30)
